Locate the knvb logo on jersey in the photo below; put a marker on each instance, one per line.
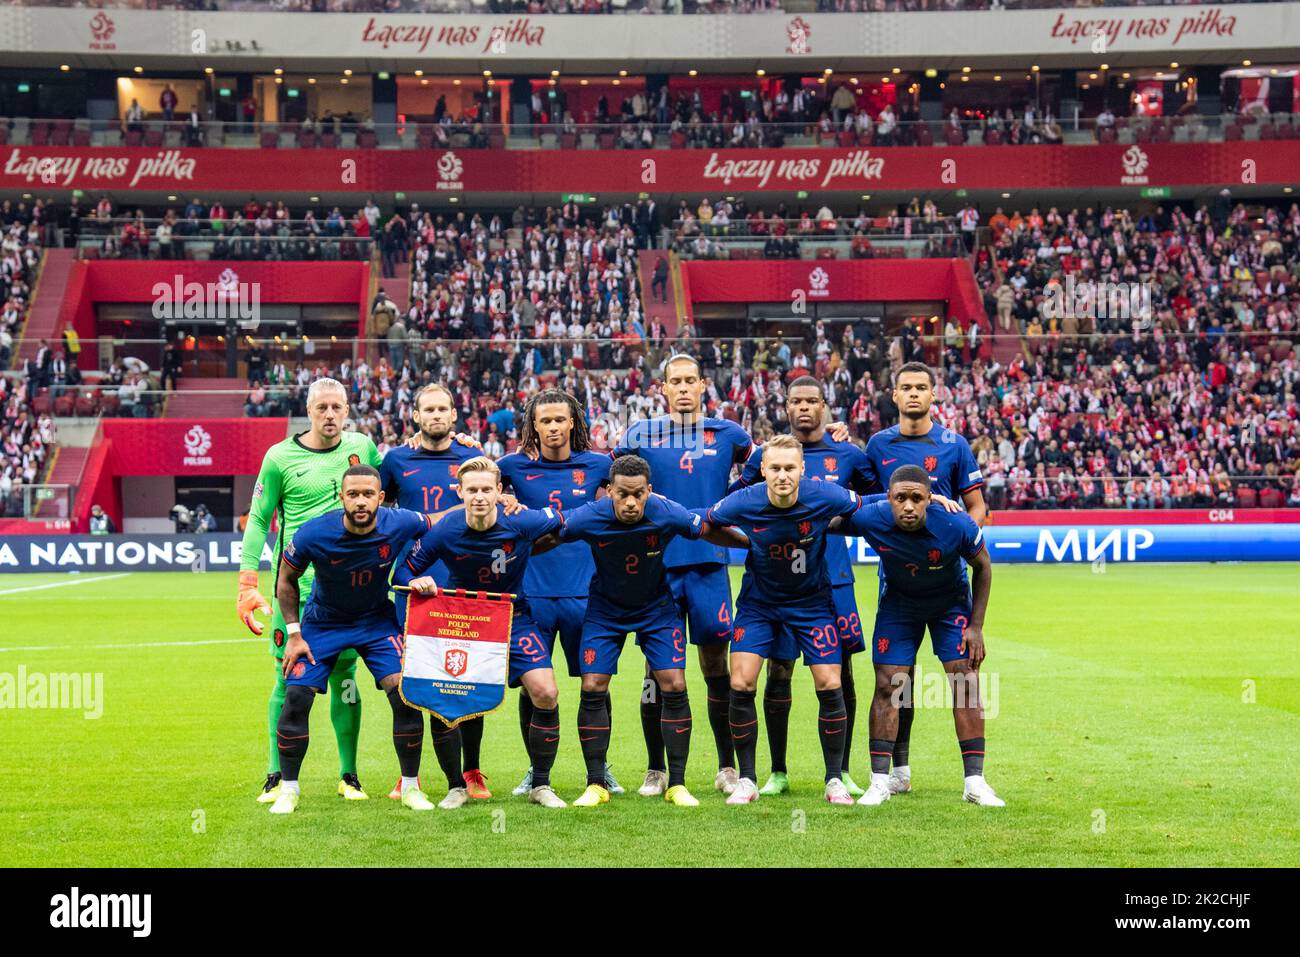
(450, 169)
(102, 29)
(197, 443)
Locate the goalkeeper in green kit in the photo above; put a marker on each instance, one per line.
(299, 480)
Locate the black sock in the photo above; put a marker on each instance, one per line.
(408, 734)
(291, 733)
(525, 719)
(593, 734)
(543, 742)
(719, 695)
(609, 713)
(446, 747)
(776, 715)
(882, 752)
(850, 712)
(677, 734)
(471, 742)
(901, 744)
(830, 729)
(972, 756)
(652, 710)
(743, 721)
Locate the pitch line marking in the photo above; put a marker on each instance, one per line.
(70, 581)
(143, 644)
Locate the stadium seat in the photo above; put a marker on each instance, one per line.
(569, 141)
(80, 137)
(329, 141)
(992, 138)
(64, 405)
(846, 138)
(1267, 131)
(108, 405)
(1107, 134)
(367, 140)
(496, 140)
(41, 403)
(1246, 497)
(1271, 498)
(132, 138)
(607, 141)
(1232, 132)
(953, 137)
(677, 140)
(923, 135)
(153, 137)
(307, 139)
(85, 404)
(40, 133)
(269, 140)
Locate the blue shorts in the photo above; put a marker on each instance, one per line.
(377, 640)
(659, 633)
(847, 625)
(529, 651)
(901, 624)
(563, 616)
(808, 627)
(703, 596)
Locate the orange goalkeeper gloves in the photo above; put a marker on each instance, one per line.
(250, 601)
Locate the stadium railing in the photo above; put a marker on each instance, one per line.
(616, 133)
(39, 502)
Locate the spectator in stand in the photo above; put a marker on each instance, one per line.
(167, 102)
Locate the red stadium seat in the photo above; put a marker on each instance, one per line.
(306, 140)
(1270, 498)
(367, 140)
(133, 138)
(1246, 497)
(992, 138)
(607, 141)
(953, 137)
(329, 141)
(40, 133)
(85, 404)
(1232, 132)
(270, 140)
(80, 137)
(846, 138)
(923, 135)
(1106, 134)
(65, 404)
(496, 140)
(41, 403)
(109, 404)
(1267, 132)
(569, 141)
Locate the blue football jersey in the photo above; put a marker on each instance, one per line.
(828, 461)
(690, 464)
(945, 456)
(787, 546)
(495, 560)
(629, 559)
(421, 479)
(563, 572)
(924, 565)
(351, 578)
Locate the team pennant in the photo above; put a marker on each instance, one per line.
(457, 654)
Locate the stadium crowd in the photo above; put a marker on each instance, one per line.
(25, 437)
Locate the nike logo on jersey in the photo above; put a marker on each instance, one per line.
(763, 529)
(300, 473)
(682, 730)
(887, 461)
(337, 561)
(529, 478)
(410, 473)
(603, 544)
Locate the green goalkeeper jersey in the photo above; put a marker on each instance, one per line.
(299, 483)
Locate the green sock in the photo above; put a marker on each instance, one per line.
(273, 707)
(345, 713)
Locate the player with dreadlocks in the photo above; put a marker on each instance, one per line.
(554, 467)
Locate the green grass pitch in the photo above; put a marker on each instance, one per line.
(1146, 716)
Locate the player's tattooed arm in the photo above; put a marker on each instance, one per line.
(981, 585)
(287, 594)
(546, 543)
(724, 535)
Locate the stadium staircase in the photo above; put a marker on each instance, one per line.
(399, 287)
(970, 302)
(69, 462)
(47, 302)
(193, 399)
(666, 313)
